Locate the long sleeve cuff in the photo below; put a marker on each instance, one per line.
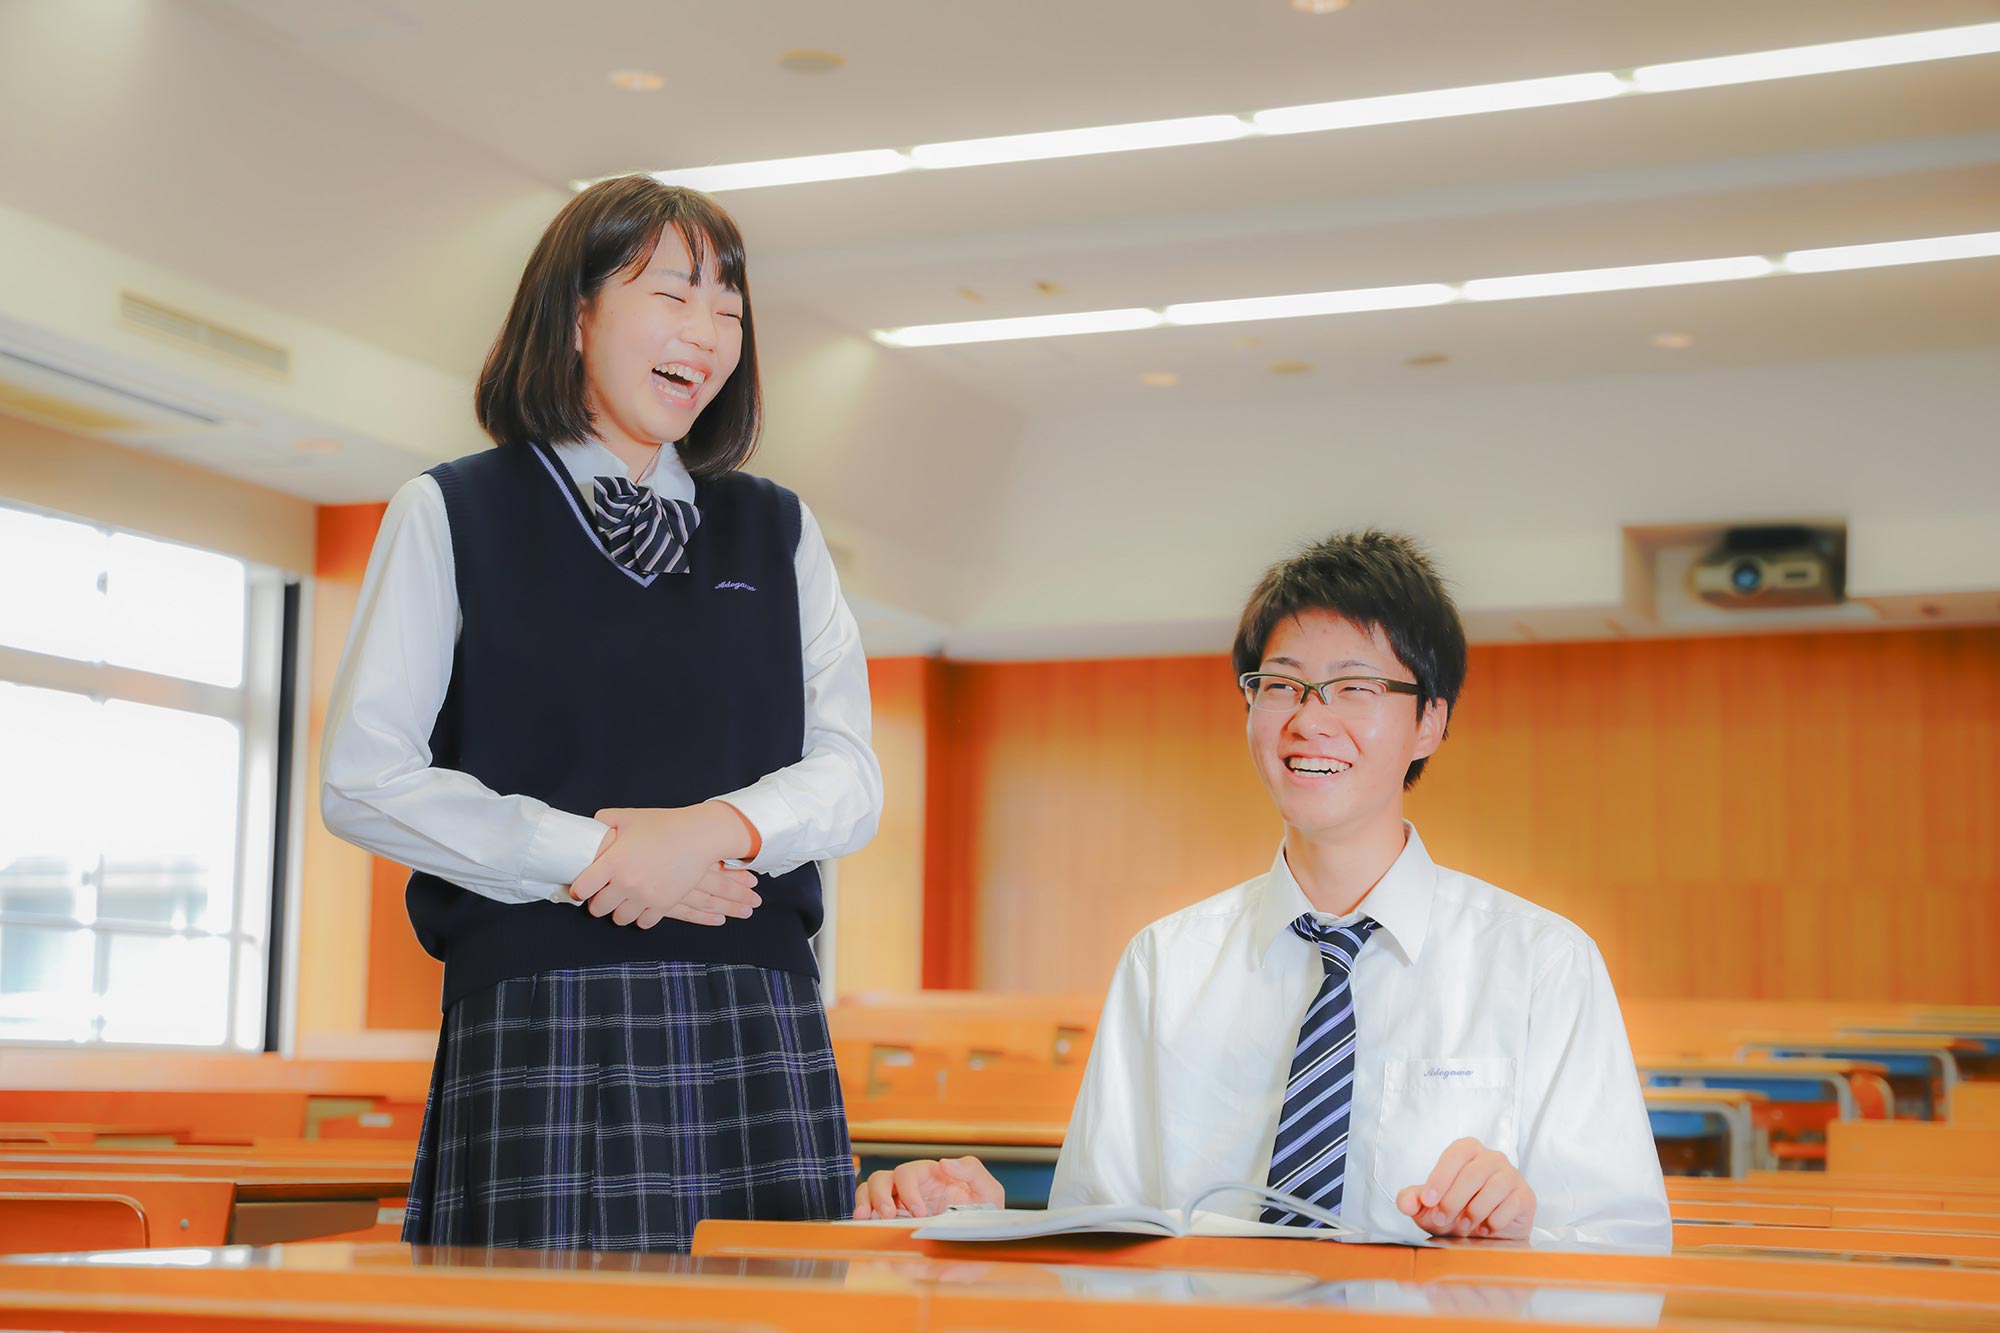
(562, 848)
(776, 824)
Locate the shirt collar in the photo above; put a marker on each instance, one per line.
(1400, 901)
(587, 460)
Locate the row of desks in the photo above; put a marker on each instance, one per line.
(817, 1277)
(1779, 1250)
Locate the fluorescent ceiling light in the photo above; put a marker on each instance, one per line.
(1829, 58)
(1310, 303)
(1441, 102)
(1975, 246)
(1033, 326)
(1618, 279)
(1755, 67)
(788, 170)
(1080, 143)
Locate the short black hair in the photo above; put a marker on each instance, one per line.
(532, 388)
(1373, 580)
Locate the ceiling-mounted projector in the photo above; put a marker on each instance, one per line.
(1773, 566)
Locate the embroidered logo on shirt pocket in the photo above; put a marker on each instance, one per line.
(1431, 1102)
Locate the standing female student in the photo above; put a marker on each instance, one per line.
(597, 677)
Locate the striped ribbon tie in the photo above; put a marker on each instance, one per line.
(643, 532)
(1309, 1157)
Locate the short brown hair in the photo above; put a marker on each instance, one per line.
(1373, 580)
(532, 387)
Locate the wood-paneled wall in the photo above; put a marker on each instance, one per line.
(343, 979)
(1076, 801)
(879, 942)
(1798, 816)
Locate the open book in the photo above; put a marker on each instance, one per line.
(1134, 1219)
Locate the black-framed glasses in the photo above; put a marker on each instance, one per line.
(1342, 694)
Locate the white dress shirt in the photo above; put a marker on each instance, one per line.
(378, 786)
(1477, 1015)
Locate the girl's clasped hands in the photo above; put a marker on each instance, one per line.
(658, 865)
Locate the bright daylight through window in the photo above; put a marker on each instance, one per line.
(138, 710)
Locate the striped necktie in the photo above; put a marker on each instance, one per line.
(643, 532)
(1309, 1159)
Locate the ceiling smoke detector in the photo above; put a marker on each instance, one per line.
(811, 62)
(636, 80)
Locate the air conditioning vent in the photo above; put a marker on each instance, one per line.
(163, 321)
(47, 391)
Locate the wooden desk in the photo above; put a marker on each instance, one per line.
(1323, 1260)
(1779, 1080)
(1689, 1236)
(1833, 1211)
(1802, 1096)
(1800, 1274)
(215, 1117)
(1951, 1194)
(36, 1071)
(1982, 1062)
(148, 1133)
(240, 1165)
(392, 1288)
(1460, 1305)
(1691, 1305)
(1021, 1156)
(1732, 1108)
(227, 1097)
(1928, 1151)
(928, 1137)
(1976, 1106)
(1740, 1268)
(1923, 1068)
(217, 1203)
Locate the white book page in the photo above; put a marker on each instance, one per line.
(1022, 1223)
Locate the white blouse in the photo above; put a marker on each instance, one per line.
(379, 789)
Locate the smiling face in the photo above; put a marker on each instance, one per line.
(658, 344)
(1337, 776)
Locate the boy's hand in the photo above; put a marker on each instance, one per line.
(926, 1188)
(656, 864)
(1473, 1191)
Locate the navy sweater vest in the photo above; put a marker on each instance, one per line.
(576, 683)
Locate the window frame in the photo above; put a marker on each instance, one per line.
(253, 707)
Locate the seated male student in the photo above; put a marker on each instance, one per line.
(1399, 1043)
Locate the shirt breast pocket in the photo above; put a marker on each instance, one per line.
(1428, 1104)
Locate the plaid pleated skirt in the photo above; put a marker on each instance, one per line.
(612, 1108)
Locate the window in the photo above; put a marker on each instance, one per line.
(138, 756)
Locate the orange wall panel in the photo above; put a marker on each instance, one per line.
(880, 894)
(334, 898)
(404, 983)
(344, 536)
(1779, 817)
(359, 962)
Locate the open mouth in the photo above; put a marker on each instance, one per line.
(679, 381)
(1307, 766)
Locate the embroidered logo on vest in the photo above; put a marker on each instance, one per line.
(746, 587)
